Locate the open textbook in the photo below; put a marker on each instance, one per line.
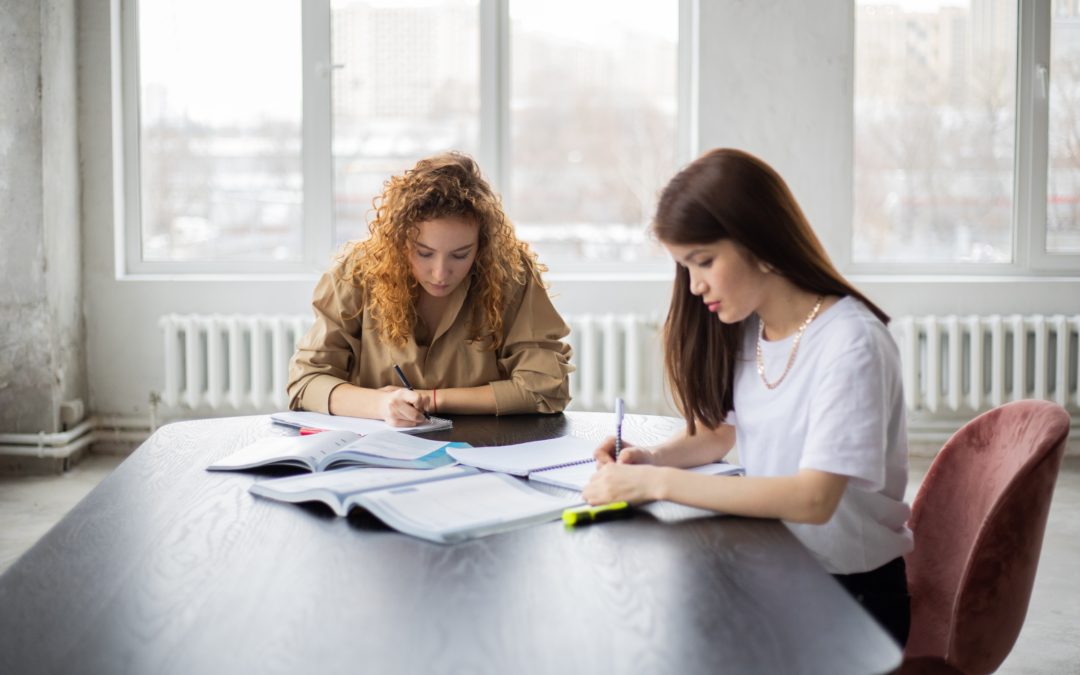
(357, 425)
(332, 449)
(446, 505)
(339, 489)
(565, 461)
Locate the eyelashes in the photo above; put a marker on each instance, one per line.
(455, 257)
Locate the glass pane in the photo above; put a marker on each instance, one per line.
(220, 123)
(1063, 177)
(935, 101)
(593, 102)
(408, 86)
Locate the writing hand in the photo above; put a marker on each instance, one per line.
(402, 407)
(619, 482)
(630, 454)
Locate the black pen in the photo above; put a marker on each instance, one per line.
(405, 383)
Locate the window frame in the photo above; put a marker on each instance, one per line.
(1029, 255)
(317, 221)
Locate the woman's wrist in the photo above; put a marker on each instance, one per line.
(658, 491)
(658, 454)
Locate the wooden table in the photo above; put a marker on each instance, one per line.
(168, 568)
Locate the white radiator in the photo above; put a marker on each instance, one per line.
(240, 362)
(617, 355)
(951, 364)
(969, 364)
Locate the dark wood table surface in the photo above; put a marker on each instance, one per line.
(168, 568)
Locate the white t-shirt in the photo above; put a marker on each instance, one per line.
(841, 410)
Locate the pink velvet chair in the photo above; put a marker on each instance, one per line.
(978, 521)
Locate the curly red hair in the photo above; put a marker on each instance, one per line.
(445, 185)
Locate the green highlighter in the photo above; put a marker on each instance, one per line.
(584, 515)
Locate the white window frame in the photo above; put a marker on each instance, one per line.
(317, 162)
(1029, 255)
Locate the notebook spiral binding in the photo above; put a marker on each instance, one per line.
(565, 464)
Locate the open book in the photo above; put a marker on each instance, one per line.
(565, 461)
(445, 505)
(331, 449)
(339, 489)
(357, 425)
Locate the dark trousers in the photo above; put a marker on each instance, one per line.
(884, 593)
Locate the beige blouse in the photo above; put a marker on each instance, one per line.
(528, 373)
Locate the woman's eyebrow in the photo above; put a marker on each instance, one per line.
(460, 249)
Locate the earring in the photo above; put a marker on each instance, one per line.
(765, 267)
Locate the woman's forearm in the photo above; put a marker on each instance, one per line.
(354, 401)
(704, 447)
(461, 400)
(809, 496)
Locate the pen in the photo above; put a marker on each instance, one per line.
(307, 431)
(405, 383)
(584, 515)
(618, 427)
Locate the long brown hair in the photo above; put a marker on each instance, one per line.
(731, 194)
(445, 185)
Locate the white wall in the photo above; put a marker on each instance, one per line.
(775, 78)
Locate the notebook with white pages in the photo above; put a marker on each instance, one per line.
(357, 425)
(566, 461)
(521, 459)
(576, 476)
(466, 507)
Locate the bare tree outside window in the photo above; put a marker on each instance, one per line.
(1063, 176)
(935, 100)
(593, 103)
(220, 124)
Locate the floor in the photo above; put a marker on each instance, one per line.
(1049, 642)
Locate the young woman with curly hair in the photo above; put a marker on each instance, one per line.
(444, 289)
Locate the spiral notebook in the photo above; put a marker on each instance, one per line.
(565, 461)
(523, 459)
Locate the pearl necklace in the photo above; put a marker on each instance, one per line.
(794, 345)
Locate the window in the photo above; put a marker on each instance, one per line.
(220, 131)
(262, 150)
(951, 139)
(593, 108)
(1063, 174)
(406, 85)
(935, 102)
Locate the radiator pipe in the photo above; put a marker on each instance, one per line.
(65, 443)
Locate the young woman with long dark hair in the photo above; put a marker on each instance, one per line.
(770, 350)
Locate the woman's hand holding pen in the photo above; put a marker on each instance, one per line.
(624, 482)
(628, 479)
(402, 407)
(630, 454)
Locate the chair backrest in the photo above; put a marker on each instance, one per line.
(978, 521)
